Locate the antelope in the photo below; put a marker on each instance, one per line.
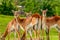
(36, 28)
(24, 24)
(51, 22)
(34, 20)
(12, 26)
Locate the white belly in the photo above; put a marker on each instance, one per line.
(13, 27)
(31, 24)
(54, 26)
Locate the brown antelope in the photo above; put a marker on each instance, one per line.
(25, 24)
(50, 22)
(36, 28)
(13, 25)
(34, 20)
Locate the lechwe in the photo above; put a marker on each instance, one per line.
(35, 28)
(13, 26)
(25, 24)
(51, 22)
(34, 19)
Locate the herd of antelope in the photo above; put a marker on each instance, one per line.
(34, 22)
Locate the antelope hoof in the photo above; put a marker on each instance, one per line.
(2, 39)
(39, 39)
(30, 38)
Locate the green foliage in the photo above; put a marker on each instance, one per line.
(53, 6)
(31, 5)
(37, 5)
(6, 7)
(47, 5)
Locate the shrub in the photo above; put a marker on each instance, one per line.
(6, 7)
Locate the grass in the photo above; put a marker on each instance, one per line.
(4, 20)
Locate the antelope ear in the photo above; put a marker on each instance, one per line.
(41, 10)
(25, 14)
(46, 9)
(30, 13)
(13, 11)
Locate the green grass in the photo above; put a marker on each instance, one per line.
(4, 20)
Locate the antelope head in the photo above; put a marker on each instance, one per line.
(44, 12)
(28, 14)
(16, 13)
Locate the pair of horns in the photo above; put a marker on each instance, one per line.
(45, 10)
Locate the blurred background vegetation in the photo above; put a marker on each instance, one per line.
(53, 6)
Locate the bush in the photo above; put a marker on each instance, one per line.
(6, 7)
